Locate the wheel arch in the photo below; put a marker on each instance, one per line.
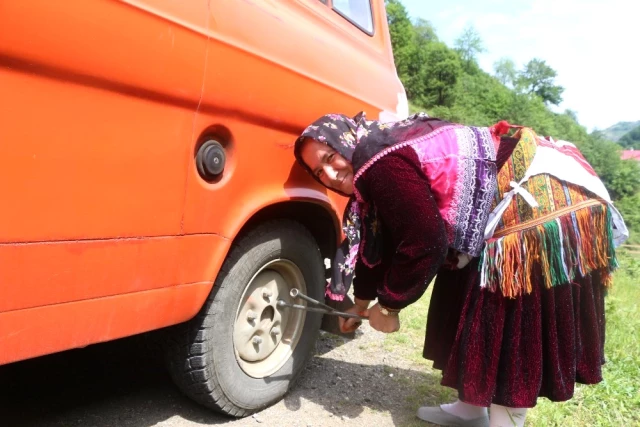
(321, 221)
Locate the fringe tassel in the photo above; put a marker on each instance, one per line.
(573, 245)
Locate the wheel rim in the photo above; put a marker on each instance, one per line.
(265, 335)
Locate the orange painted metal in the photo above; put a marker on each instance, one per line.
(106, 228)
(48, 329)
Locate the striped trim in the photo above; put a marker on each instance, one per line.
(550, 216)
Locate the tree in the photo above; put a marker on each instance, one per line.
(538, 78)
(529, 110)
(625, 180)
(621, 177)
(629, 207)
(505, 71)
(402, 39)
(568, 128)
(572, 114)
(443, 70)
(425, 33)
(469, 45)
(480, 100)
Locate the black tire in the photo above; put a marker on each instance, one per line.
(202, 357)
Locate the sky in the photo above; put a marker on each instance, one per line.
(593, 45)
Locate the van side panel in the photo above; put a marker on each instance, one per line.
(37, 274)
(96, 123)
(34, 332)
(299, 60)
(106, 229)
(96, 114)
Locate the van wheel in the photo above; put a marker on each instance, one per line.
(242, 352)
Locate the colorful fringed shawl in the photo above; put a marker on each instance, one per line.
(552, 220)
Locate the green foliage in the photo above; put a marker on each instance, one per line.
(537, 77)
(621, 177)
(469, 45)
(505, 71)
(567, 127)
(616, 400)
(480, 100)
(402, 41)
(441, 70)
(629, 207)
(424, 31)
(529, 110)
(631, 139)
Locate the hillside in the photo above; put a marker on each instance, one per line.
(615, 132)
(631, 139)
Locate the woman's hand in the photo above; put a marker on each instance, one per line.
(382, 323)
(350, 324)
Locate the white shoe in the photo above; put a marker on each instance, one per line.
(436, 415)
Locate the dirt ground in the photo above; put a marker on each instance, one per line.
(357, 382)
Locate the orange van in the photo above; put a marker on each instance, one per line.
(147, 177)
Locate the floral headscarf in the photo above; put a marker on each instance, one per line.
(337, 131)
(358, 140)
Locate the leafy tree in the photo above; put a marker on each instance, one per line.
(572, 114)
(625, 181)
(567, 127)
(480, 100)
(442, 70)
(469, 45)
(629, 207)
(505, 71)
(621, 177)
(538, 78)
(402, 41)
(424, 31)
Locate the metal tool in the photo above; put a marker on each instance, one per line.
(319, 307)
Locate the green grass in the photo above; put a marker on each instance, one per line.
(613, 402)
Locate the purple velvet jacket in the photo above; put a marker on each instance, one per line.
(414, 237)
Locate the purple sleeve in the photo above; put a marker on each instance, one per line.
(368, 280)
(413, 227)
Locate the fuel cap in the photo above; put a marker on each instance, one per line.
(210, 159)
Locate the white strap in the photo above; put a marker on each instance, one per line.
(528, 197)
(550, 161)
(496, 215)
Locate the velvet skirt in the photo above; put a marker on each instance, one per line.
(510, 351)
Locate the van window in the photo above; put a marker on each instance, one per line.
(356, 11)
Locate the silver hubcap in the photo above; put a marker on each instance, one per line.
(265, 335)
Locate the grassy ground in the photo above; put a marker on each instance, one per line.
(613, 402)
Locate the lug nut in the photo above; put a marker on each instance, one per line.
(256, 340)
(267, 294)
(275, 332)
(251, 316)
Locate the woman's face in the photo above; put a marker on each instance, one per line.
(333, 170)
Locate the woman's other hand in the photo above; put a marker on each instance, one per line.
(348, 325)
(382, 323)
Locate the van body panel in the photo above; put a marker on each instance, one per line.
(107, 229)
